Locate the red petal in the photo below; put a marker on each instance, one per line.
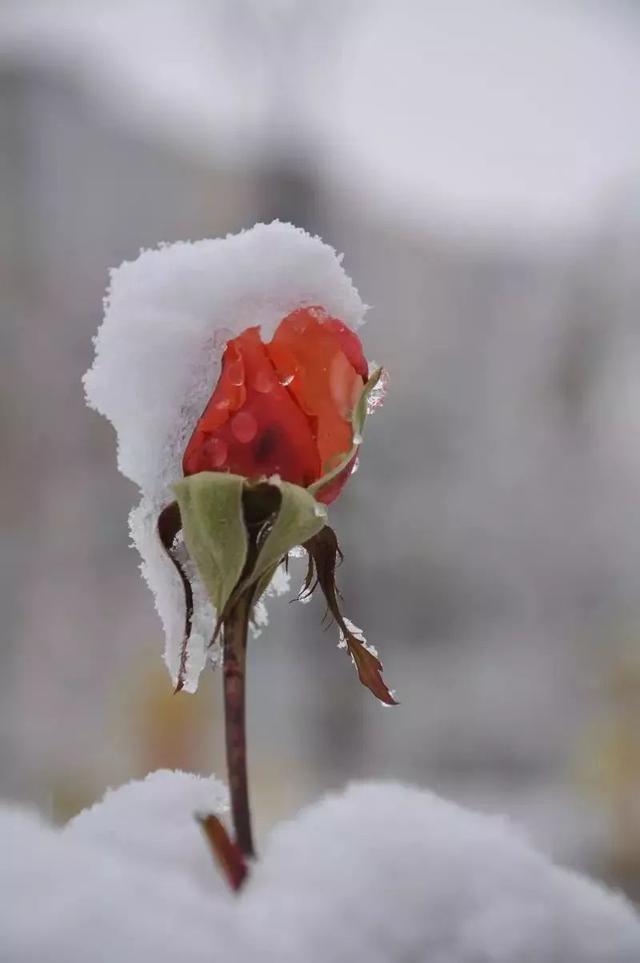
(331, 491)
(284, 408)
(307, 350)
(350, 344)
(253, 428)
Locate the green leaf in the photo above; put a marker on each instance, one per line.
(215, 511)
(264, 581)
(299, 517)
(357, 423)
(214, 529)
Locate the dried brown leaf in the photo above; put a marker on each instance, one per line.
(324, 554)
(369, 669)
(226, 853)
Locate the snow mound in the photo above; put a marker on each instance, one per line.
(167, 318)
(152, 823)
(113, 886)
(380, 873)
(410, 876)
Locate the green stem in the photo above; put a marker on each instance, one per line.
(235, 652)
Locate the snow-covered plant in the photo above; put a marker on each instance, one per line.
(238, 387)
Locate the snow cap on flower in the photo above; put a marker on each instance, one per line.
(168, 316)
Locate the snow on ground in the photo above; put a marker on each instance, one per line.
(168, 315)
(379, 873)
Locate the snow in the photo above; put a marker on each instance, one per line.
(132, 823)
(167, 317)
(380, 872)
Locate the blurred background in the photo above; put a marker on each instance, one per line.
(479, 165)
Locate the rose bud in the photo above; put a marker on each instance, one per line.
(286, 407)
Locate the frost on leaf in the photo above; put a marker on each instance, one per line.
(169, 525)
(378, 393)
(324, 553)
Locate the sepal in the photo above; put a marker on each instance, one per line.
(212, 517)
(236, 533)
(357, 424)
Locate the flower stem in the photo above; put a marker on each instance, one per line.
(235, 650)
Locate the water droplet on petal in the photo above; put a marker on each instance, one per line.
(215, 451)
(222, 403)
(319, 510)
(263, 382)
(244, 427)
(286, 380)
(357, 438)
(355, 466)
(235, 373)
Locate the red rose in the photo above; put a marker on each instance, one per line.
(284, 408)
